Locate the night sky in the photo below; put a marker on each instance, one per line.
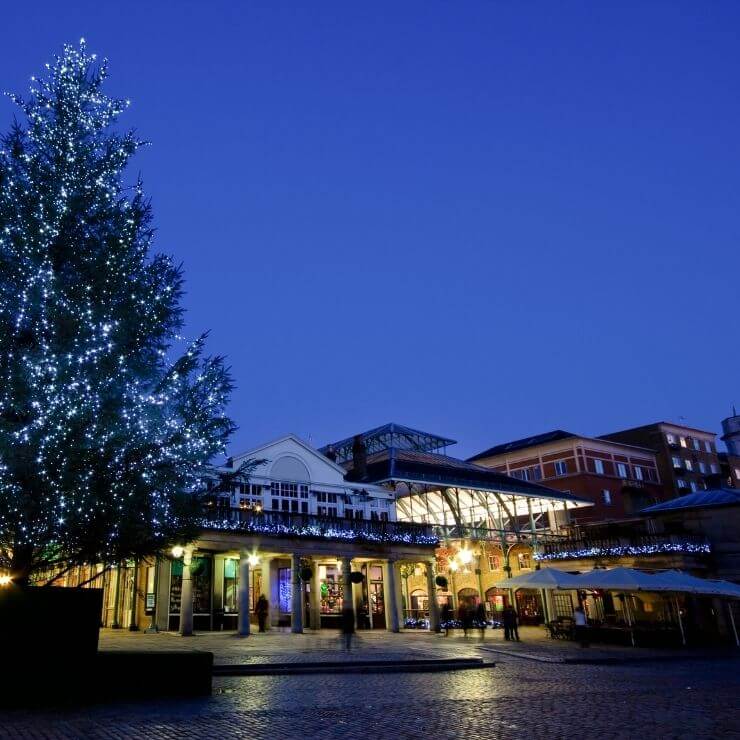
(485, 220)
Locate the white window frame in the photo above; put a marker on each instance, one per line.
(670, 438)
(606, 497)
(639, 475)
(599, 466)
(558, 464)
(622, 470)
(689, 465)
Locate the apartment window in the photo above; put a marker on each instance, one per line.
(693, 485)
(708, 446)
(676, 461)
(682, 440)
(737, 473)
(697, 444)
(606, 497)
(561, 467)
(638, 473)
(671, 439)
(494, 562)
(702, 467)
(689, 465)
(682, 483)
(599, 466)
(715, 468)
(621, 470)
(525, 561)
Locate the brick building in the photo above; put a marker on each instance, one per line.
(730, 461)
(687, 458)
(619, 478)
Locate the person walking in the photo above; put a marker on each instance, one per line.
(263, 609)
(462, 615)
(348, 626)
(482, 619)
(581, 626)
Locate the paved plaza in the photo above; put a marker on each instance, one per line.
(520, 697)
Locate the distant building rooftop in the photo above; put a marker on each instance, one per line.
(523, 444)
(697, 500)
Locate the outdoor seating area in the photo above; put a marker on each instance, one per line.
(626, 606)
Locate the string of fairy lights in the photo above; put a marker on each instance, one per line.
(100, 429)
(622, 550)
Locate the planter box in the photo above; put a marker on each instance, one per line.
(48, 640)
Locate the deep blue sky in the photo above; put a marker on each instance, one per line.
(482, 219)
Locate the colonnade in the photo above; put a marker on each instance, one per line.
(391, 589)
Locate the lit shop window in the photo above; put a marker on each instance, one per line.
(606, 497)
(599, 466)
(561, 467)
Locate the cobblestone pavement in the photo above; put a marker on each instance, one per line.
(516, 699)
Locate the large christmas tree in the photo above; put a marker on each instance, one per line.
(104, 434)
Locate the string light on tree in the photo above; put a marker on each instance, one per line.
(104, 431)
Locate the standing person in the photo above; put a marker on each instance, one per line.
(446, 618)
(462, 615)
(348, 626)
(581, 625)
(482, 619)
(511, 624)
(263, 609)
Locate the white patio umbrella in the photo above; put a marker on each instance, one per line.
(619, 579)
(543, 578)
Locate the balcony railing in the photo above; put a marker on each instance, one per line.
(288, 524)
(643, 544)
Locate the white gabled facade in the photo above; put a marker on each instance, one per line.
(297, 478)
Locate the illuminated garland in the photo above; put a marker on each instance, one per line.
(313, 531)
(622, 550)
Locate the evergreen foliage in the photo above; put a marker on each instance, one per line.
(105, 436)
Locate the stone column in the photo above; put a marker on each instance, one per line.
(296, 617)
(116, 624)
(391, 596)
(243, 623)
(315, 597)
(162, 598)
(432, 591)
(186, 595)
(133, 620)
(267, 589)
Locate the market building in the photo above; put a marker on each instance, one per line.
(489, 524)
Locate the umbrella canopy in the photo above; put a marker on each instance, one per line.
(677, 580)
(543, 578)
(620, 579)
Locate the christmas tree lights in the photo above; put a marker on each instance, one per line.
(104, 435)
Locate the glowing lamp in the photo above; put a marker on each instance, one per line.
(5, 580)
(465, 556)
(453, 565)
(178, 551)
(253, 560)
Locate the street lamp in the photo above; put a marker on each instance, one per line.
(5, 580)
(253, 560)
(178, 551)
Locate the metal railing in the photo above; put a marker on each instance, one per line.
(292, 524)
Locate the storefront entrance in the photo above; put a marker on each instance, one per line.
(372, 609)
(529, 607)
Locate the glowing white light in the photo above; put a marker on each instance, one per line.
(465, 556)
(178, 551)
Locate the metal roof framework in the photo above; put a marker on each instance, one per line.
(386, 437)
